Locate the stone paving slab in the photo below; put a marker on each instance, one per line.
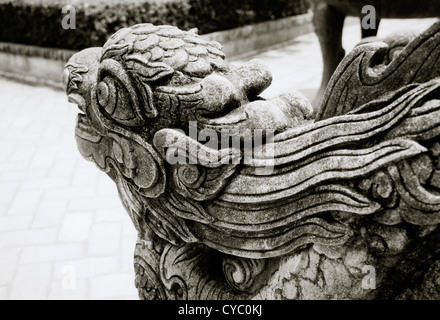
(63, 231)
(297, 65)
(58, 213)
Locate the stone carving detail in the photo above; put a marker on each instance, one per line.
(301, 207)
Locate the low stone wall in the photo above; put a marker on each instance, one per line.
(258, 36)
(45, 65)
(33, 64)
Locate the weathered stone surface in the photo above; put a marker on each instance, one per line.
(236, 197)
(428, 288)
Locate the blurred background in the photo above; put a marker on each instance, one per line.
(63, 231)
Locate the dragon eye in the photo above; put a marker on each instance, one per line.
(115, 100)
(116, 97)
(107, 95)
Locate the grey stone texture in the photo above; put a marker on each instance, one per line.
(343, 204)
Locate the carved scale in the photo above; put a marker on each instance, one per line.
(299, 215)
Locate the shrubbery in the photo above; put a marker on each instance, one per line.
(38, 22)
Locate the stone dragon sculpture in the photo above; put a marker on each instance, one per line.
(299, 207)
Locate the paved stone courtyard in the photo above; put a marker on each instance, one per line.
(63, 231)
